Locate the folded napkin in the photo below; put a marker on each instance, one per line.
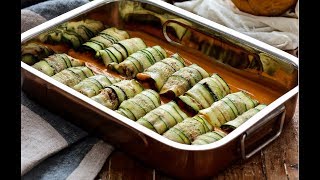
(51, 147)
(281, 32)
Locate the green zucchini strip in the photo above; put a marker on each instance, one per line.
(182, 80)
(91, 86)
(120, 50)
(228, 108)
(113, 95)
(56, 63)
(34, 52)
(140, 105)
(242, 118)
(73, 33)
(209, 137)
(139, 61)
(105, 38)
(186, 131)
(162, 70)
(163, 117)
(73, 75)
(205, 92)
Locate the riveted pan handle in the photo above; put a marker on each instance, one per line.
(280, 113)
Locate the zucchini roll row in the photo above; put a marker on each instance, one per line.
(216, 135)
(34, 52)
(56, 63)
(181, 81)
(113, 95)
(120, 50)
(187, 130)
(159, 73)
(105, 39)
(209, 137)
(163, 118)
(139, 61)
(231, 125)
(228, 108)
(91, 86)
(204, 93)
(218, 113)
(73, 33)
(140, 104)
(73, 75)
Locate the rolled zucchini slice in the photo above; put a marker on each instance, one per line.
(73, 33)
(56, 63)
(73, 75)
(139, 61)
(113, 95)
(120, 50)
(209, 137)
(93, 85)
(105, 38)
(204, 93)
(34, 52)
(186, 131)
(182, 80)
(163, 118)
(228, 108)
(231, 125)
(159, 73)
(140, 105)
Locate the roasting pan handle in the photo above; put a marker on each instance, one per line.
(280, 112)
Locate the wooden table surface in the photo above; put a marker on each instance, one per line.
(279, 160)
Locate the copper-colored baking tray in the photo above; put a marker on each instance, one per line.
(256, 62)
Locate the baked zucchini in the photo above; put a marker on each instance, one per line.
(204, 93)
(113, 95)
(231, 125)
(120, 50)
(73, 33)
(186, 131)
(159, 73)
(140, 104)
(209, 137)
(139, 61)
(182, 80)
(91, 86)
(105, 39)
(56, 63)
(73, 75)
(34, 52)
(228, 108)
(163, 117)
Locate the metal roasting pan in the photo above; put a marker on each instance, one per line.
(256, 61)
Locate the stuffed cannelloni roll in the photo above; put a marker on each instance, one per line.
(120, 50)
(163, 118)
(231, 125)
(140, 104)
(181, 81)
(204, 93)
(91, 86)
(105, 39)
(209, 137)
(187, 130)
(228, 108)
(73, 75)
(139, 61)
(56, 63)
(73, 33)
(34, 52)
(113, 95)
(159, 73)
